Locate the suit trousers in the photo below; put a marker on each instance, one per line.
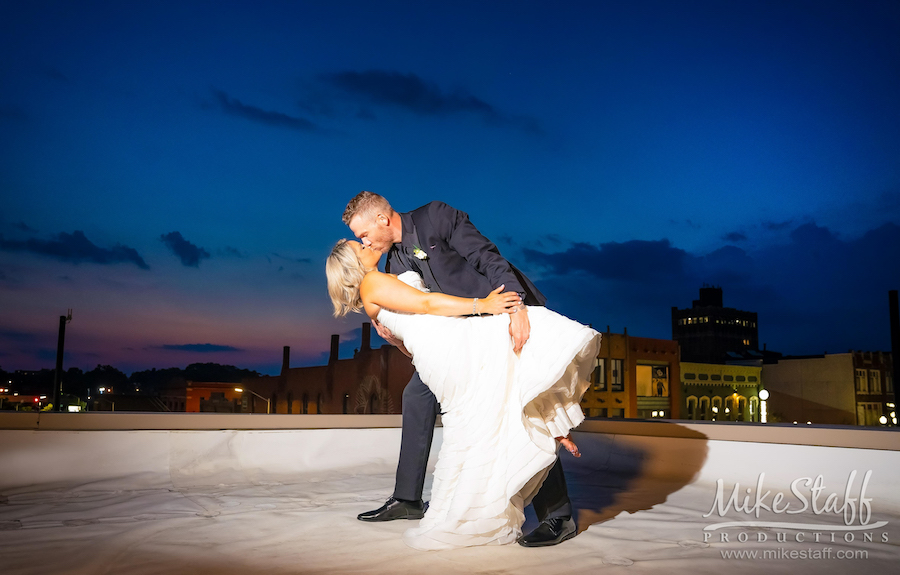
(420, 410)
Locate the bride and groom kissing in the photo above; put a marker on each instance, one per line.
(505, 373)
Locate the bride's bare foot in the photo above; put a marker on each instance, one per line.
(569, 445)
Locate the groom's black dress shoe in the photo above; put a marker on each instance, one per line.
(395, 509)
(550, 532)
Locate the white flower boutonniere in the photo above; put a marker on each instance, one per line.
(419, 253)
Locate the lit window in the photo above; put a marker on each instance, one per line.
(874, 381)
(598, 378)
(617, 375)
(862, 385)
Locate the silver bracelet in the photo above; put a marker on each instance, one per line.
(474, 303)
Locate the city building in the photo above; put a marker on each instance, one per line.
(371, 382)
(634, 377)
(710, 333)
(853, 388)
(203, 397)
(721, 392)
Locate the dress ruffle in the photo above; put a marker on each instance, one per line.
(501, 415)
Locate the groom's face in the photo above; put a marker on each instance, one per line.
(373, 232)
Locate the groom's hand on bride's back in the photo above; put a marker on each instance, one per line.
(386, 334)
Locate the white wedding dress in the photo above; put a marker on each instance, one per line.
(501, 413)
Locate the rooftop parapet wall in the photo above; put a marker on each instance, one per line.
(131, 451)
(811, 435)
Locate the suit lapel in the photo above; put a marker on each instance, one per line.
(400, 259)
(423, 265)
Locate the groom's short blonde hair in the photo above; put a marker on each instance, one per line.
(367, 205)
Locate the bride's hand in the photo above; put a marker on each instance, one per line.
(498, 302)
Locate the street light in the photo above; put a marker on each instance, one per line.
(268, 403)
(763, 412)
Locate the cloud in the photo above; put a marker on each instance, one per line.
(199, 347)
(735, 237)
(553, 239)
(412, 93)
(635, 260)
(812, 235)
(18, 336)
(814, 291)
(292, 260)
(189, 253)
(75, 248)
(229, 251)
(777, 226)
(23, 227)
(235, 107)
(686, 222)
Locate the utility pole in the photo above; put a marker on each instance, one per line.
(57, 375)
(895, 348)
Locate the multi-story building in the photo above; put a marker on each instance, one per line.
(710, 333)
(720, 392)
(634, 377)
(853, 388)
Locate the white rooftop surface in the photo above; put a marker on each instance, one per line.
(105, 499)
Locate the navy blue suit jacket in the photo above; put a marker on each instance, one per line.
(460, 261)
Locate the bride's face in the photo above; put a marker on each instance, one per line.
(368, 256)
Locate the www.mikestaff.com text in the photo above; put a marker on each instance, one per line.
(780, 553)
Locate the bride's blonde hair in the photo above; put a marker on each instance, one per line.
(344, 272)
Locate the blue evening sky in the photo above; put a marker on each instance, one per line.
(175, 172)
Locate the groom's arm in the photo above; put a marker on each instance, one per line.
(465, 239)
(483, 255)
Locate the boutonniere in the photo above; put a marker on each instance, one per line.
(419, 253)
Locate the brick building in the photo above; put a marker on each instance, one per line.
(371, 382)
(634, 377)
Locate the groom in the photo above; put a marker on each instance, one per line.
(441, 244)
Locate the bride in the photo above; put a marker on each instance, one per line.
(504, 414)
